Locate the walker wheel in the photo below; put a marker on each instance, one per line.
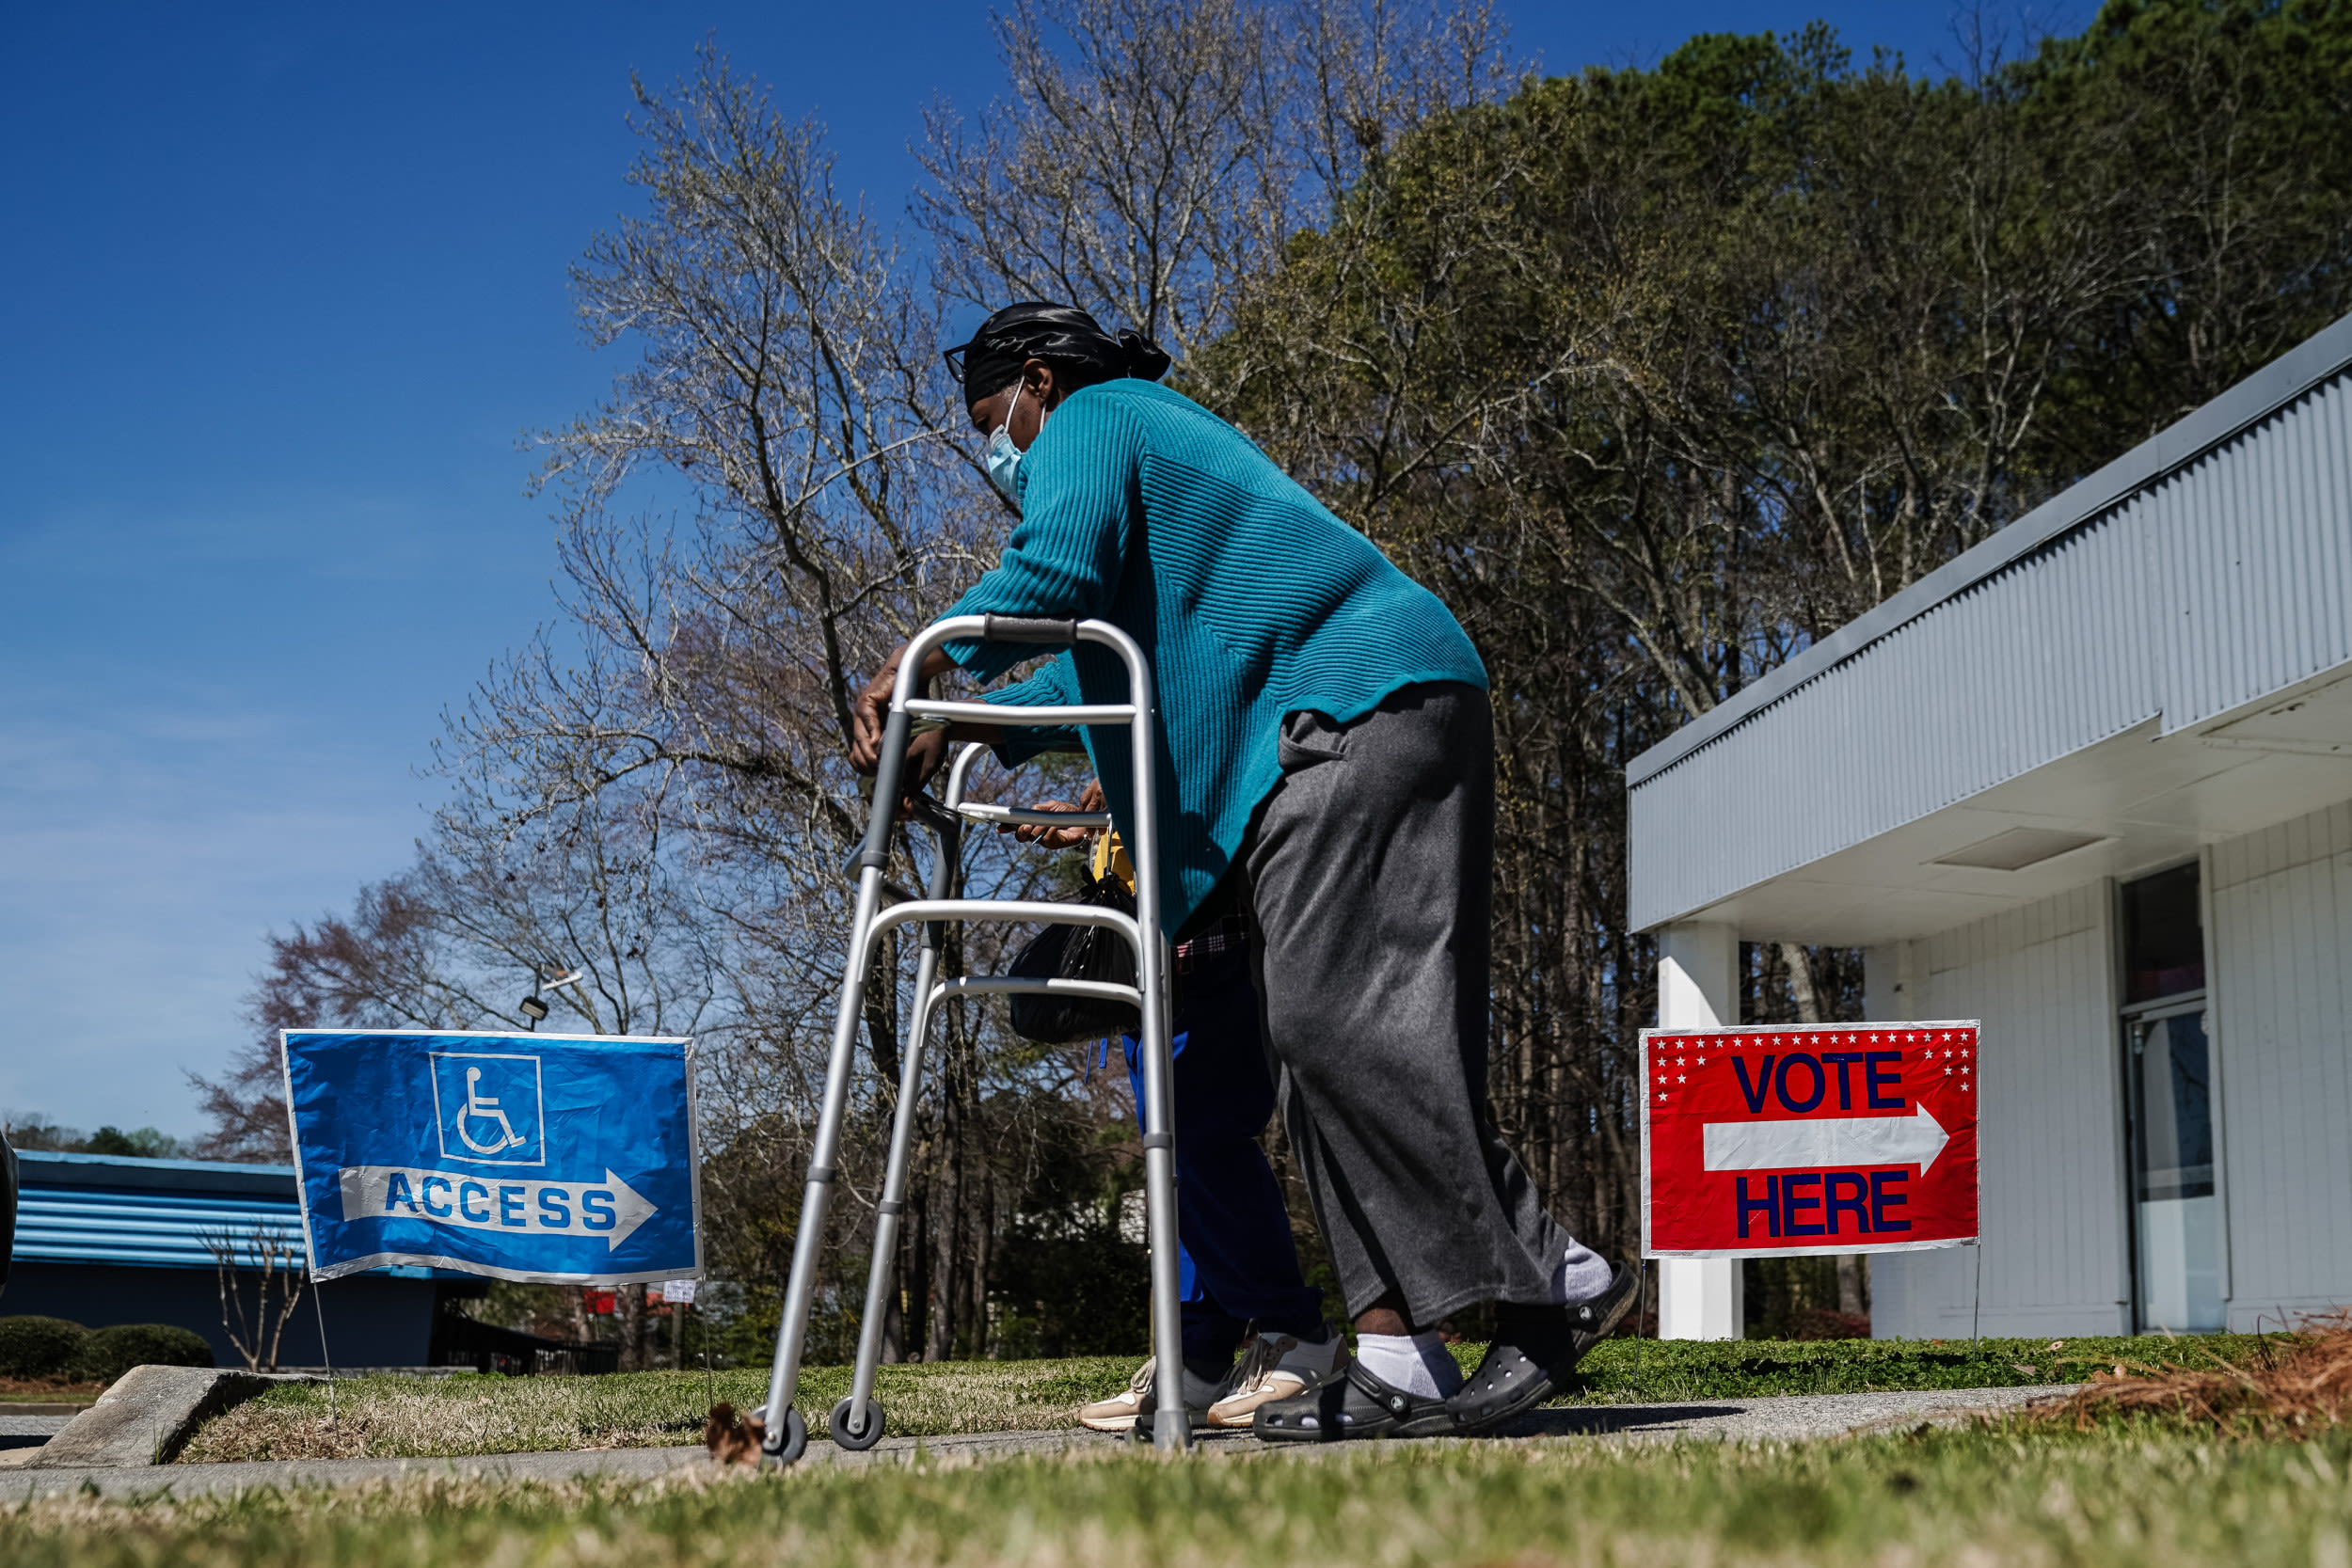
(795, 1441)
(870, 1425)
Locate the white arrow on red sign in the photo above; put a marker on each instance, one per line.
(1817, 1143)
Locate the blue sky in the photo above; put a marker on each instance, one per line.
(282, 288)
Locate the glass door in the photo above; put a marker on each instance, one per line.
(2176, 1218)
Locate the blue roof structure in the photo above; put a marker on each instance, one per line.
(156, 1213)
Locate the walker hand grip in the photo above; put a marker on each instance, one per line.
(934, 816)
(1028, 628)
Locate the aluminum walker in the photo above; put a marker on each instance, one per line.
(857, 1421)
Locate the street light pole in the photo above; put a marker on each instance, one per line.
(534, 1006)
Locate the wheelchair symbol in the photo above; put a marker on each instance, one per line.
(495, 1113)
(477, 1106)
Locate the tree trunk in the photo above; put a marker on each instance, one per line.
(1849, 1294)
(976, 1293)
(1801, 982)
(633, 1328)
(894, 1323)
(918, 1270)
(882, 1019)
(947, 1215)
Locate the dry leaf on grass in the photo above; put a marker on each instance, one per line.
(733, 1439)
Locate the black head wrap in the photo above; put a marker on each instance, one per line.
(1063, 336)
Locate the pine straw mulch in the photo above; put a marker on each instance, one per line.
(2296, 1384)
(14, 1391)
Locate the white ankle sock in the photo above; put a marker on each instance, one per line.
(1583, 1274)
(1417, 1363)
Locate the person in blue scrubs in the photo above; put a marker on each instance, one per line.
(1238, 1264)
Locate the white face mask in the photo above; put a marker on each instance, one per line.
(1003, 457)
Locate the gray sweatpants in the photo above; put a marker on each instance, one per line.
(1370, 874)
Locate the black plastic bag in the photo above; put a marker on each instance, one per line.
(1078, 952)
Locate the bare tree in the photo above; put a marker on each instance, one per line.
(1135, 166)
(454, 943)
(1151, 162)
(1656, 376)
(375, 967)
(786, 374)
(274, 1264)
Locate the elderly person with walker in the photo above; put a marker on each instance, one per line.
(1326, 766)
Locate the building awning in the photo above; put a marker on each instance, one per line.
(2158, 658)
(156, 1213)
(69, 1225)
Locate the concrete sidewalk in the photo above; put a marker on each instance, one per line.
(20, 1433)
(1797, 1417)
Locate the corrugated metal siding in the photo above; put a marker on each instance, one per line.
(2052, 1214)
(2251, 550)
(2282, 952)
(2206, 590)
(67, 1225)
(2041, 660)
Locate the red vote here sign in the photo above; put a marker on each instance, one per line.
(1777, 1141)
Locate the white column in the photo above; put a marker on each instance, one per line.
(1698, 987)
(1890, 994)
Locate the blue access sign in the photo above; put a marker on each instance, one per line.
(557, 1159)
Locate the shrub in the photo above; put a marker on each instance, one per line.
(39, 1346)
(109, 1352)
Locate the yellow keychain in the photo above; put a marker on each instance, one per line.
(1110, 860)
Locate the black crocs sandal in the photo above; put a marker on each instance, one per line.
(1349, 1404)
(1534, 1353)
(1591, 1322)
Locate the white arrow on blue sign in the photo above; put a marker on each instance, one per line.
(549, 1158)
(610, 1209)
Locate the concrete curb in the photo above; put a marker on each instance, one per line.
(147, 1417)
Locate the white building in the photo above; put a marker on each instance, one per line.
(2091, 782)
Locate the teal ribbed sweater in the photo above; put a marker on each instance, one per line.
(1252, 601)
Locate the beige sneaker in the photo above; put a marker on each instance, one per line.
(1276, 1368)
(1138, 1399)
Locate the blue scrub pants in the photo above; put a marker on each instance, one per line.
(1237, 1259)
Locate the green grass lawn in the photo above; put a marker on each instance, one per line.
(2141, 1494)
(400, 1417)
